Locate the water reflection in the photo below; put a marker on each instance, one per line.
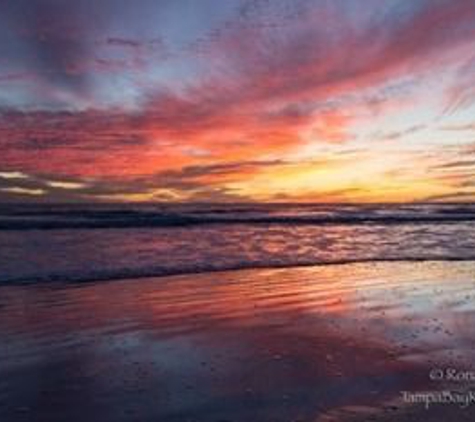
(255, 345)
(123, 253)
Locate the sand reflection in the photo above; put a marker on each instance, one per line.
(257, 345)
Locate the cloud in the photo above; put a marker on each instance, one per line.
(460, 128)
(395, 135)
(9, 78)
(65, 185)
(193, 183)
(461, 95)
(134, 44)
(456, 196)
(459, 164)
(53, 33)
(12, 175)
(199, 171)
(59, 49)
(22, 191)
(309, 60)
(259, 86)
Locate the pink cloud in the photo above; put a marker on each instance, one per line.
(267, 78)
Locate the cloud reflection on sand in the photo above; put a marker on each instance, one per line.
(254, 345)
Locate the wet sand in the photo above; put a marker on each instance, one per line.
(328, 343)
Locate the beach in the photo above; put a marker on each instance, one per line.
(237, 211)
(321, 343)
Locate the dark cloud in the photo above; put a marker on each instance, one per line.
(14, 77)
(459, 164)
(392, 136)
(134, 44)
(124, 42)
(52, 35)
(456, 196)
(197, 171)
(190, 182)
(59, 47)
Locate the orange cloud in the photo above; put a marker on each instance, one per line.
(270, 84)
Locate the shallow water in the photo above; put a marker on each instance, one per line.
(111, 243)
(324, 343)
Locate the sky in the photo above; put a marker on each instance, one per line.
(237, 100)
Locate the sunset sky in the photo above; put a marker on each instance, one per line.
(213, 100)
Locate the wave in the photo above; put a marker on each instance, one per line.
(123, 274)
(223, 238)
(139, 219)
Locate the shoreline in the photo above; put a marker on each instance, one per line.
(122, 275)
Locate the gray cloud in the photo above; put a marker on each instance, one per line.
(392, 136)
(456, 196)
(458, 164)
(51, 34)
(186, 181)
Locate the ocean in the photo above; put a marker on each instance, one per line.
(103, 242)
(267, 313)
